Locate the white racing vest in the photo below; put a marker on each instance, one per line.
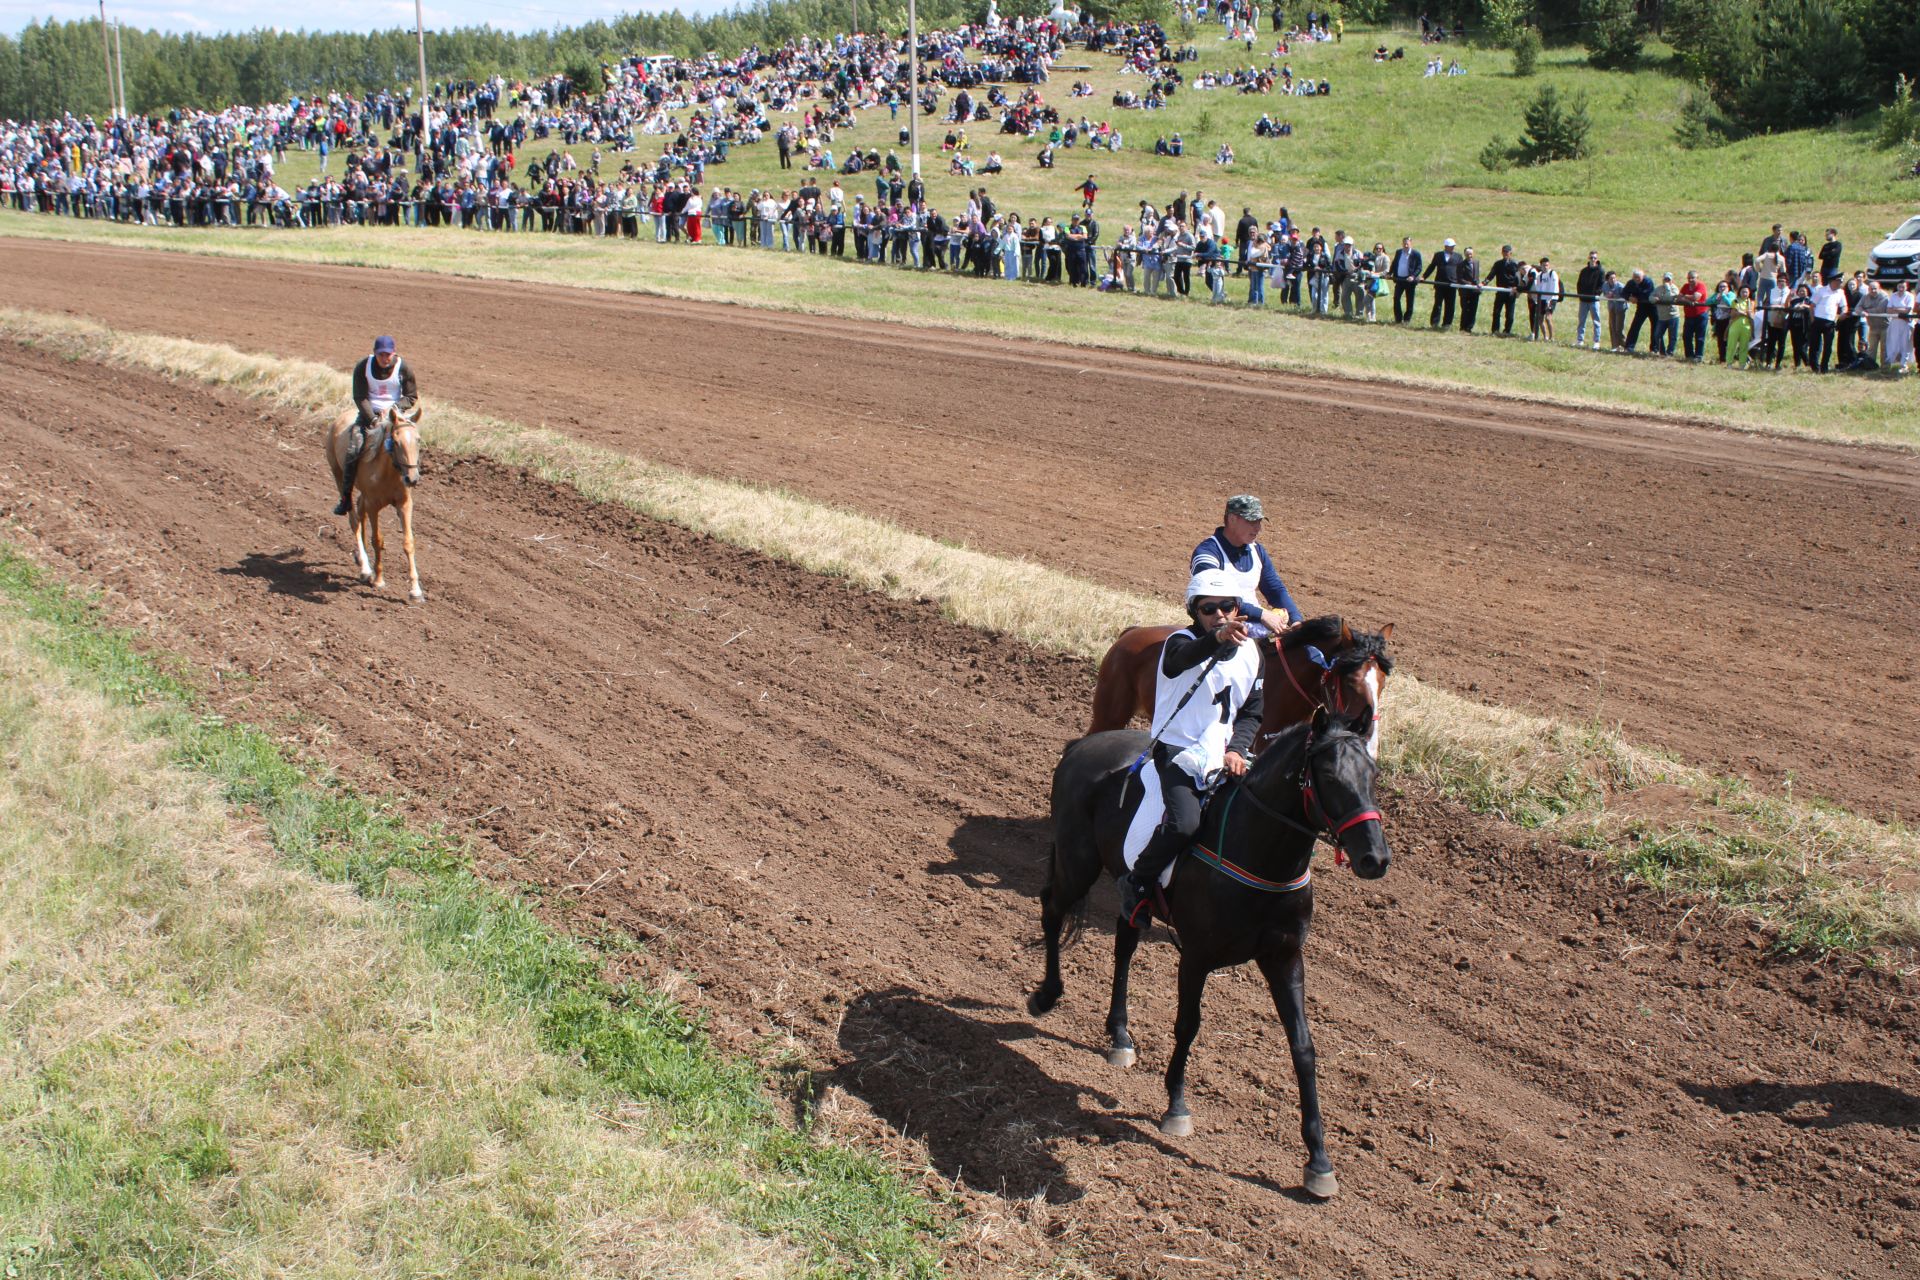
(1196, 737)
(1212, 555)
(384, 393)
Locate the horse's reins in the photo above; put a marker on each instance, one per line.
(1328, 829)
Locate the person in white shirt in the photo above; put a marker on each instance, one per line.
(1829, 306)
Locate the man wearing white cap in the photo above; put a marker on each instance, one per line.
(1444, 271)
(1206, 711)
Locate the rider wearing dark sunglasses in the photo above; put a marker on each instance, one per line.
(1204, 721)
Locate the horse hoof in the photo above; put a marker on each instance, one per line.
(366, 580)
(1177, 1126)
(1122, 1056)
(1321, 1186)
(417, 596)
(1042, 1002)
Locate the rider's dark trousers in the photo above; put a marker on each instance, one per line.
(1180, 824)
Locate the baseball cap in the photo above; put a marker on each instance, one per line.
(382, 345)
(1448, 244)
(1246, 506)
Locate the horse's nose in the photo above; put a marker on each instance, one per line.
(1367, 850)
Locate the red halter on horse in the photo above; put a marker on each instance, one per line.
(1293, 683)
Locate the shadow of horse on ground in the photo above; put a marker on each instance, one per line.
(949, 1076)
(1815, 1106)
(288, 573)
(998, 853)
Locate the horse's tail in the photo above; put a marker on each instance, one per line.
(1076, 921)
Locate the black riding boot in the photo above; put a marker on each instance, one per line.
(355, 447)
(1137, 890)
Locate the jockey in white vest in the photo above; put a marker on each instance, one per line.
(381, 382)
(1206, 711)
(1232, 548)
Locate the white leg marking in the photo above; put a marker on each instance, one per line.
(1373, 691)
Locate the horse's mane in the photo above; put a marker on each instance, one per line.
(1323, 633)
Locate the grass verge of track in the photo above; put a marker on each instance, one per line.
(1864, 409)
(1824, 878)
(351, 1057)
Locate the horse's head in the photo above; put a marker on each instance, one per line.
(403, 445)
(1324, 662)
(1357, 683)
(1338, 785)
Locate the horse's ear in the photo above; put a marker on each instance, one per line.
(1346, 634)
(1321, 719)
(1386, 632)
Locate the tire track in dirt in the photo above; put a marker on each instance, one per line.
(826, 808)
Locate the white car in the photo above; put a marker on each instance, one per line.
(1897, 257)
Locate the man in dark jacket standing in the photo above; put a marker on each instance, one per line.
(1504, 276)
(1469, 288)
(1242, 237)
(1593, 277)
(1406, 270)
(1444, 271)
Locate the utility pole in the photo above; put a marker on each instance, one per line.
(913, 84)
(420, 33)
(120, 67)
(106, 60)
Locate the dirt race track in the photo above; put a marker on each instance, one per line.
(826, 807)
(1746, 602)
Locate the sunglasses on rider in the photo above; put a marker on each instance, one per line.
(1210, 607)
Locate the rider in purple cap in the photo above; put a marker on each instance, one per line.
(381, 382)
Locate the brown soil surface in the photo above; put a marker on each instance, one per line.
(826, 808)
(1744, 601)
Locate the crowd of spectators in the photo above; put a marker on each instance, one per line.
(219, 169)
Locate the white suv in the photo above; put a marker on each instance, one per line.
(1897, 257)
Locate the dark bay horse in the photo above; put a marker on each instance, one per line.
(1292, 683)
(1244, 893)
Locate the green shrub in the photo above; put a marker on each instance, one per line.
(1900, 119)
(1496, 156)
(1701, 126)
(1526, 52)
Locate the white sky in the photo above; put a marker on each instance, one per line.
(208, 16)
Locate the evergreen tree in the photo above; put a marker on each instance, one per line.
(1555, 128)
(1611, 32)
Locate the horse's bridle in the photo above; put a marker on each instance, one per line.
(1325, 827)
(1328, 675)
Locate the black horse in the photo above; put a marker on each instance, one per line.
(1244, 893)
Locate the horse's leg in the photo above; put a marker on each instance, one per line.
(1121, 1051)
(1075, 866)
(1178, 1122)
(1286, 972)
(379, 547)
(414, 593)
(360, 539)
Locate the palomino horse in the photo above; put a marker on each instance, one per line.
(389, 469)
(1292, 683)
(1243, 893)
